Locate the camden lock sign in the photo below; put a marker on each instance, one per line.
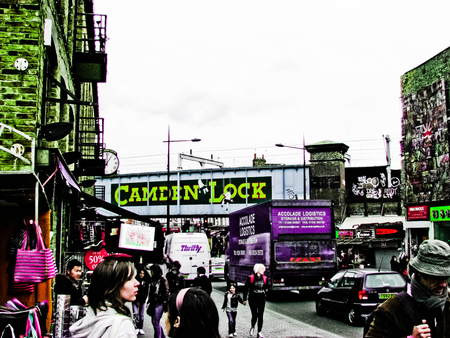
(236, 190)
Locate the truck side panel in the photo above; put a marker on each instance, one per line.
(250, 240)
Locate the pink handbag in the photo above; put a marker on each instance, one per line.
(34, 265)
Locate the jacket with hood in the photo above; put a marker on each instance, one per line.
(106, 324)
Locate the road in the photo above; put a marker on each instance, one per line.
(289, 314)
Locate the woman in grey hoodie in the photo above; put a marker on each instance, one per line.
(113, 284)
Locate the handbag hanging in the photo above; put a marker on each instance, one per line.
(16, 288)
(34, 265)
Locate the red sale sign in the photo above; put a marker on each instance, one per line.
(93, 258)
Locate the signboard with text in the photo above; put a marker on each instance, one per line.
(190, 192)
(418, 212)
(440, 213)
(301, 221)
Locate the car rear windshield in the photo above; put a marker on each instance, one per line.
(384, 279)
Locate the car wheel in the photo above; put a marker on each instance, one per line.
(319, 308)
(353, 317)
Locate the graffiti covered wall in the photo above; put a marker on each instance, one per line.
(425, 144)
(373, 183)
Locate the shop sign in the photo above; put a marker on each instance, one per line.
(390, 230)
(440, 213)
(345, 234)
(93, 258)
(136, 237)
(369, 233)
(241, 190)
(418, 212)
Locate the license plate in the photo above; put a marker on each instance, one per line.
(215, 269)
(386, 295)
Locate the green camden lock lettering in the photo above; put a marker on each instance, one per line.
(240, 190)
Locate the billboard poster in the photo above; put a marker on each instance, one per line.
(136, 237)
(301, 221)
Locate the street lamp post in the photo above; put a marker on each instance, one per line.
(168, 170)
(304, 163)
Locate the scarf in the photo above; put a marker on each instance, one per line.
(432, 303)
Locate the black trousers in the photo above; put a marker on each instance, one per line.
(257, 304)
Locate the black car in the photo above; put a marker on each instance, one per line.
(357, 292)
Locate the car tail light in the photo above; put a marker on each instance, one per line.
(363, 294)
(278, 280)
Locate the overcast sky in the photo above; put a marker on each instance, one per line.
(245, 75)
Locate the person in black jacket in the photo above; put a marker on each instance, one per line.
(143, 278)
(255, 288)
(231, 301)
(174, 277)
(71, 284)
(157, 299)
(202, 280)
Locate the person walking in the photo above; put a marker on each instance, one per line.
(174, 277)
(423, 309)
(231, 301)
(157, 299)
(143, 278)
(202, 280)
(112, 285)
(395, 265)
(255, 288)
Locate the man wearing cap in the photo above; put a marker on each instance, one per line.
(427, 312)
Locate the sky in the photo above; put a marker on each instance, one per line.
(245, 75)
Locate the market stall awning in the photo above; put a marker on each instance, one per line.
(92, 201)
(354, 222)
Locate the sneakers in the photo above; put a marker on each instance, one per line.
(259, 335)
(230, 335)
(252, 331)
(141, 332)
(136, 331)
(235, 334)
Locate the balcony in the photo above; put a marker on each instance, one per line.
(90, 146)
(90, 58)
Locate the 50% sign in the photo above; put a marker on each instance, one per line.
(93, 258)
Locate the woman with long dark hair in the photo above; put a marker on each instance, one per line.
(157, 298)
(143, 278)
(112, 285)
(192, 313)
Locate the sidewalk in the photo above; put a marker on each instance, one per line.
(275, 325)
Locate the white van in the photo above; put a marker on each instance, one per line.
(191, 249)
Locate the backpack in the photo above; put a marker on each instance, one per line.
(408, 305)
(252, 278)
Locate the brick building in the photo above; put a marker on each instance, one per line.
(425, 150)
(52, 55)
